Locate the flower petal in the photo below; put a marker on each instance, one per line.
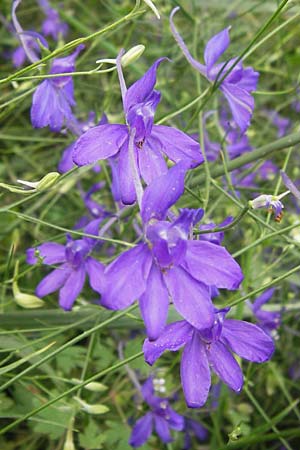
(290, 185)
(163, 192)
(99, 142)
(241, 104)
(154, 304)
(162, 429)
(72, 288)
(141, 431)
(66, 162)
(95, 271)
(215, 47)
(213, 265)
(51, 252)
(225, 366)
(142, 88)
(126, 278)
(151, 163)
(172, 338)
(191, 298)
(195, 373)
(53, 281)
(177, 145)
(125, 176)
(247, 340)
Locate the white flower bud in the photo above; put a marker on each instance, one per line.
(92, 409)
(94, 386)
(132, 55)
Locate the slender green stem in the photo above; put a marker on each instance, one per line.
(227, 227)
(71, 391)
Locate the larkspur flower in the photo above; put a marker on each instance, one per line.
(211, 349)
(267, 320)
(193, 428)
(169, 264)
(161, 417)
(139, 145)
(29, 48)
(270, 202)
(52, 25)
(53, 100)
(238, 84)
(74, 262)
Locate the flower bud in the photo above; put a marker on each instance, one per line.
(94, 386)
(47, 181)
(27, 301)
(132, 55)
(92, 409)
(69, 443)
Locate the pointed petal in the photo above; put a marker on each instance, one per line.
(154, 304)
(175, 420)
(126, 278)
(51, 252)
(177, 145)
(225, 366)
(72, 288)
(162, 429)
(290, 185)
(213, 265)
(241, 104)
(215, 47)
(66, 162)
(163, 192)
(141, 431)
(142, 88)
(191, 298)
(195, 373)
(247, 340)
(125, 176)
(53, 281)
(172, 338)
(95, 271)
(151, 163)
(99, 142)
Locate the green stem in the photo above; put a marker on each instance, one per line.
(71, 391)
(227, 227)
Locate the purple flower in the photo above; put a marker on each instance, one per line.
(215, 238)
(54, 98)
(239, 83)
(29, 41)
(138, 147)
(281, 123)
(74, 262)
(268, 320)
(191, 427)
(211, 349)
(162, 417)
(52, 25)
(169, 264)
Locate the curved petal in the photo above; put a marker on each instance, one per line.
(213, 265)
(247, 340)
(162, 429)
(99, 142)
(225, 366)
(126, 278)
(53, 281)
(241, 104)
(125, 176)
(95, 271)
(154, 304)
(51, 252)
(151, 163)
(191, 298)
(177, 145)
(66, 162)
(175, 420)
(172, 338)
(141, 431)
(142, 88)
(163, 192)
(72, 288)
(215, 47)
(195, 373)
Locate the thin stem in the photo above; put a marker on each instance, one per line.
(227, 227)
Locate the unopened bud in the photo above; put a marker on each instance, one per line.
(69, 443)
(94, 386)
(47, 181)
(92, 409)
(27, 301)
(132, 55)
(153, 7)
